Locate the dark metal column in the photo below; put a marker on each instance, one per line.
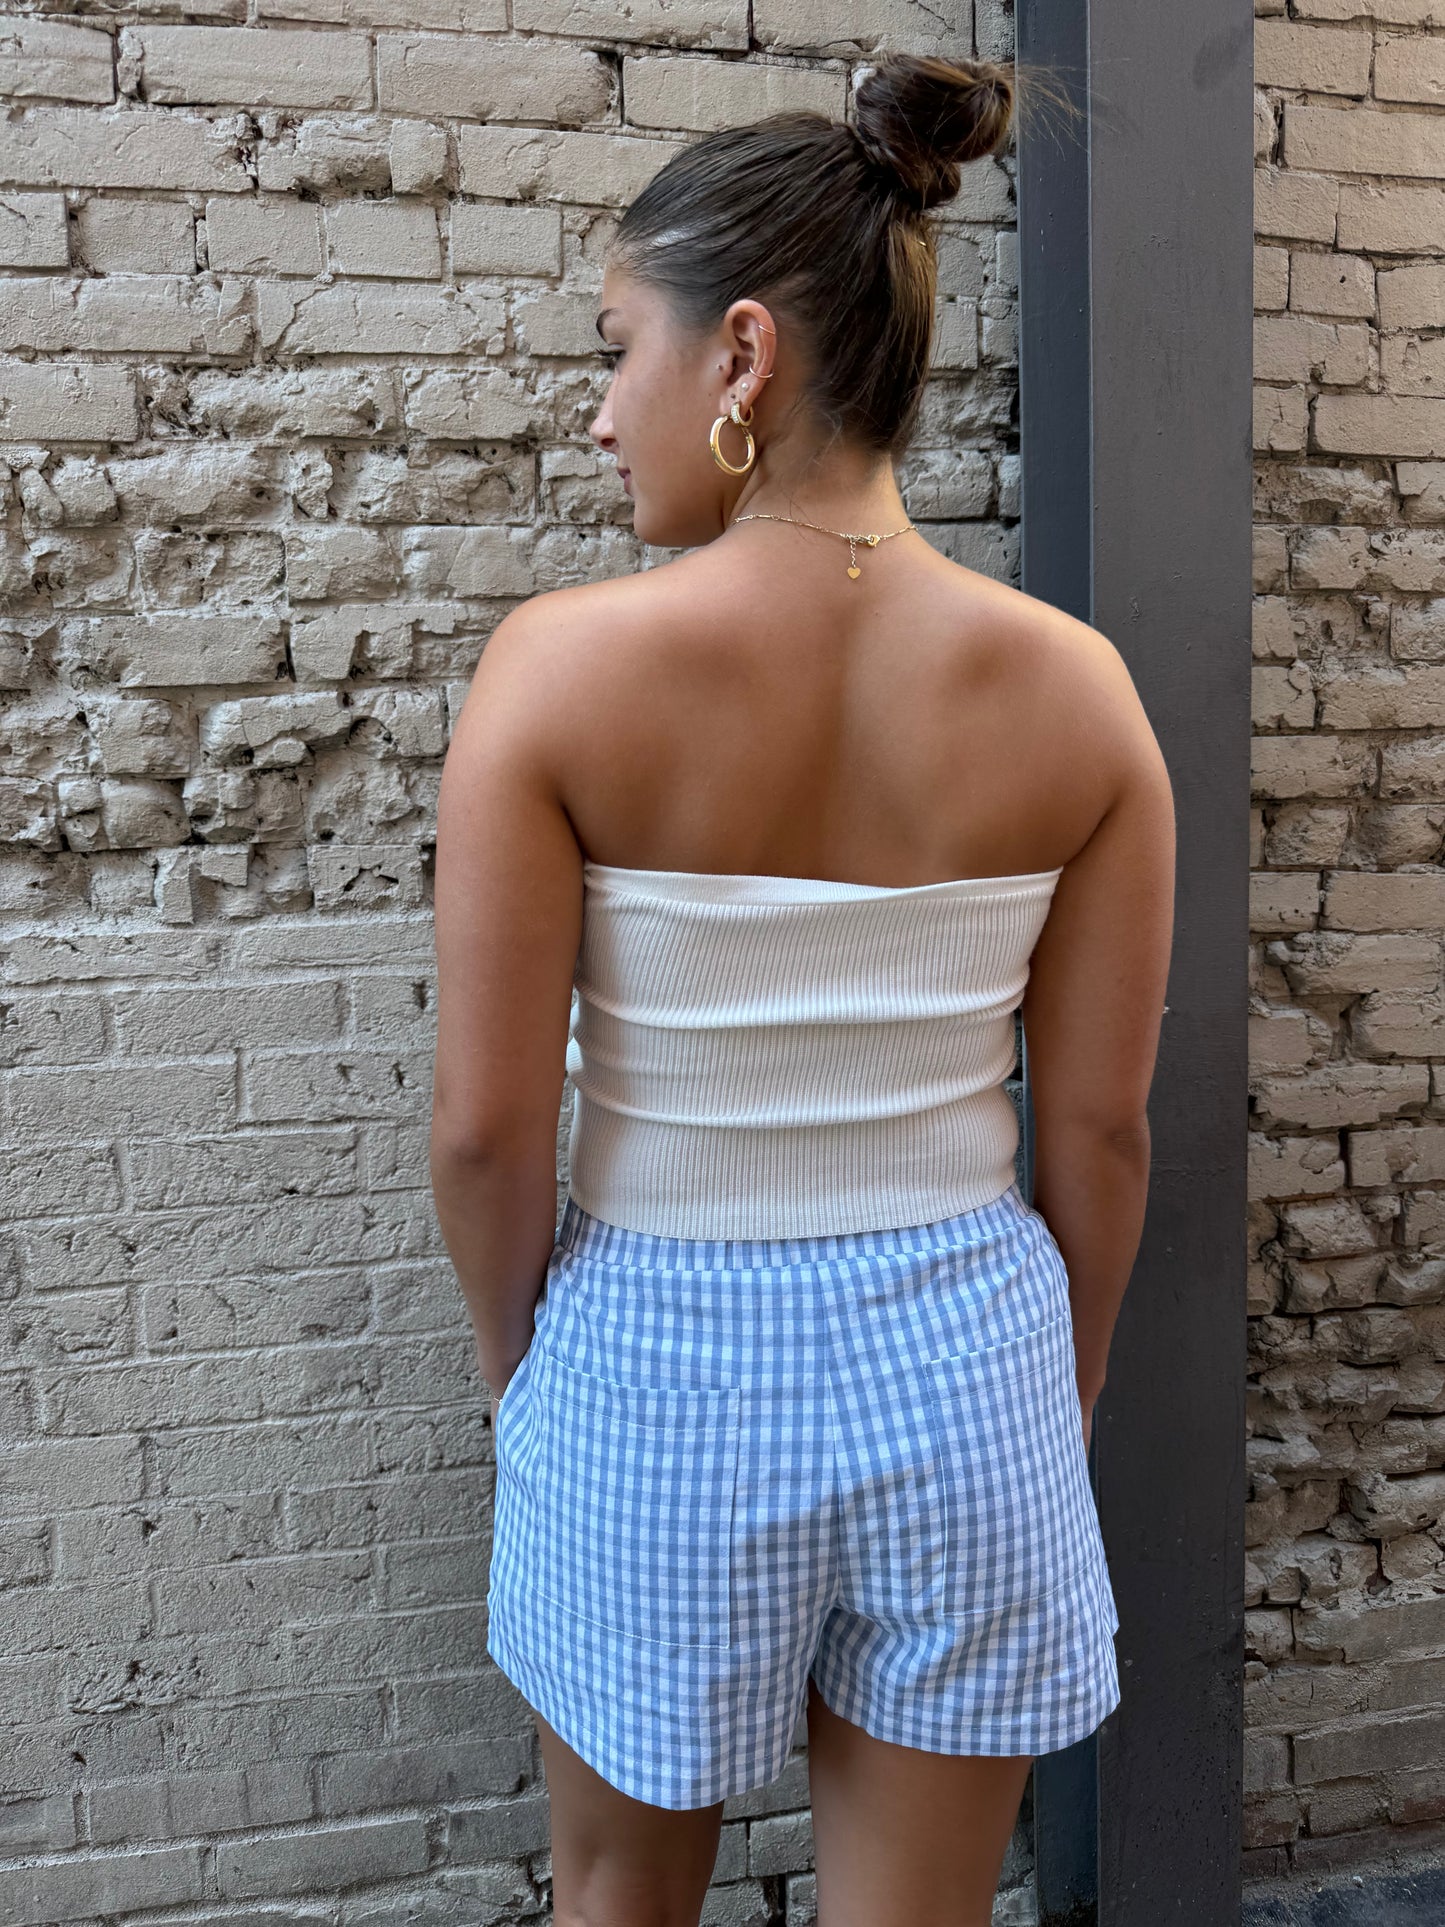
(1136, 233)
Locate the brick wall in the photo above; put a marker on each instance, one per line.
(1346, 1581)
(295, 370)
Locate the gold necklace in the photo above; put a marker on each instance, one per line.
(761, 515)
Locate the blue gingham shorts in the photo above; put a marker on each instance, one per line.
(726, 1464)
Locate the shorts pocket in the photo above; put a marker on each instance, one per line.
(635, 1488)
(510, 1391)
(1018, 1513)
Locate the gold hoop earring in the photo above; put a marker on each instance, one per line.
(742, 422)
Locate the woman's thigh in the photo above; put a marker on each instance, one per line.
(904, 1838)
(619, 1862)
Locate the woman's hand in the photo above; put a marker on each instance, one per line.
(498, 1386)
(1087, 1404)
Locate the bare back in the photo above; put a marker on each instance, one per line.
(922, 723)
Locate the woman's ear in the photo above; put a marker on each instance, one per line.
(749, 347)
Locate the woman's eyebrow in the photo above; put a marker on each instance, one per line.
(601, 318)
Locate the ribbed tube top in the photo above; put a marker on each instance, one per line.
(785, 1057)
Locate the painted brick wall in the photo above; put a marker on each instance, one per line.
(1346, 1581)
(295, 369)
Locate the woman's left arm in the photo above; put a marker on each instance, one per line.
(508, 926)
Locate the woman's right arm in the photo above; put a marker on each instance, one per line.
(1092, 1011)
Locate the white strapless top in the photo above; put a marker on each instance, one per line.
(786, 1057)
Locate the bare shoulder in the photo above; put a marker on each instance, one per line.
(1053, 649)
(1068, 678)
(547, 644)
(559, 673)
(556, 619)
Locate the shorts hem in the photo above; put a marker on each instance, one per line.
(536, 1689)
(994, 1743)
(965, 1718)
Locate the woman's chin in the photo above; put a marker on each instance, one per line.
(654, 530)
(663, 531)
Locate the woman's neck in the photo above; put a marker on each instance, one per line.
(853, 494)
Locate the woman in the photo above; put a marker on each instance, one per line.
(792, 1415)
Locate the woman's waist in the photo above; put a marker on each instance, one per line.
(588, 1239)
(730, 1179)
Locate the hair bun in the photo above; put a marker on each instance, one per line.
(919, 119)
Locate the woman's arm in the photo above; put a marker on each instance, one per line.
(508, 924)
(1091, 1014)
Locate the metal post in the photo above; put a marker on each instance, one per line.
(1135, 229)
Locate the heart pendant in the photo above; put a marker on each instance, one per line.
(854, 570)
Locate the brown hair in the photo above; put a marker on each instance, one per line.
(827, 221)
